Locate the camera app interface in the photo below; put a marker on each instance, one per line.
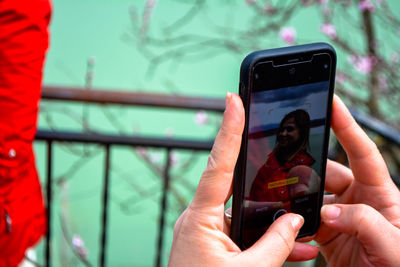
(284, 154)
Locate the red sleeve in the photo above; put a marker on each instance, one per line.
(23, 44)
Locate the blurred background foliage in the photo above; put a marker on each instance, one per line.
(191, 48)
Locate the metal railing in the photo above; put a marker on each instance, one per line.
(169, 144)
(109, 141)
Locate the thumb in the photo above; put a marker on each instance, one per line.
(277, 243)
(371, 228)
(215, 183)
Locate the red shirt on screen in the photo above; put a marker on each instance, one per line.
(264, 188)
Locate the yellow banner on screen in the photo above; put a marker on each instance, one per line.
(291, 180)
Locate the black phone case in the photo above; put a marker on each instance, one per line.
(244, 91)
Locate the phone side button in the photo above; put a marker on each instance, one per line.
(241, 88)
(279, 213)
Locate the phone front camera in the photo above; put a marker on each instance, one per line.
(256, 76)
(325, 66)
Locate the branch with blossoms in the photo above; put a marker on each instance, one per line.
(181, 47)
(365, 33)
(75, 243)
(376, 73)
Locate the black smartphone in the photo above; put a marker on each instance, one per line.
(287, 95)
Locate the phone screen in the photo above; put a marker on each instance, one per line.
(286, 145)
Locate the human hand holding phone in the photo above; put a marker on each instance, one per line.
(361, 220)
(201, 236)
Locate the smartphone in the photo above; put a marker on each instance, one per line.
(287, 95)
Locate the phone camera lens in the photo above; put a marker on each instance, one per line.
(256, 76)
(325, 66)
(292, 71)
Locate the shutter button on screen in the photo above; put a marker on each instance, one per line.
(279, 213)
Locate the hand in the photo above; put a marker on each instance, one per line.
(201, 236)
(362, 228)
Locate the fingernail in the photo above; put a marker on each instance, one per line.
(297, 222)
(330, 212)
(228, 99)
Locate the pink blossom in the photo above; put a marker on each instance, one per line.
(83, 253)
(269, 8)
(148, 10)
(250, 2)
(326, 10)
(141, 151)
(155, 157)
(77, 241)
(79, 246)
(366, 5)
(201, 117)
(151, 3)
(363, 65)
(91, 60)
(288, 35)
(135, 129)
(341, 78)
(382, 81)
(323, 2)
(174, 159)
(329, 30)
(306, 2)
(169, 132)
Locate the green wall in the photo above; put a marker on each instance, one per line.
(102, 30)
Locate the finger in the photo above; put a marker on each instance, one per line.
(178, 223)
(215, 183)
(177, 227)
(329, 199)
(305, 239)
(360, 150)
(362, 221)
(338, 178)
(325, 234)
(303, 252)
(278, 242)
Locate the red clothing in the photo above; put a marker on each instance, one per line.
(23, 44)
(272, 171)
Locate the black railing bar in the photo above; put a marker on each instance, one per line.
(132, 98)
(49, 190)
(377, 126)
(164, 203)
(138, 141)
(105, 201)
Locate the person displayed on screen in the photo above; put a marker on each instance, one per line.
(287, 170)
